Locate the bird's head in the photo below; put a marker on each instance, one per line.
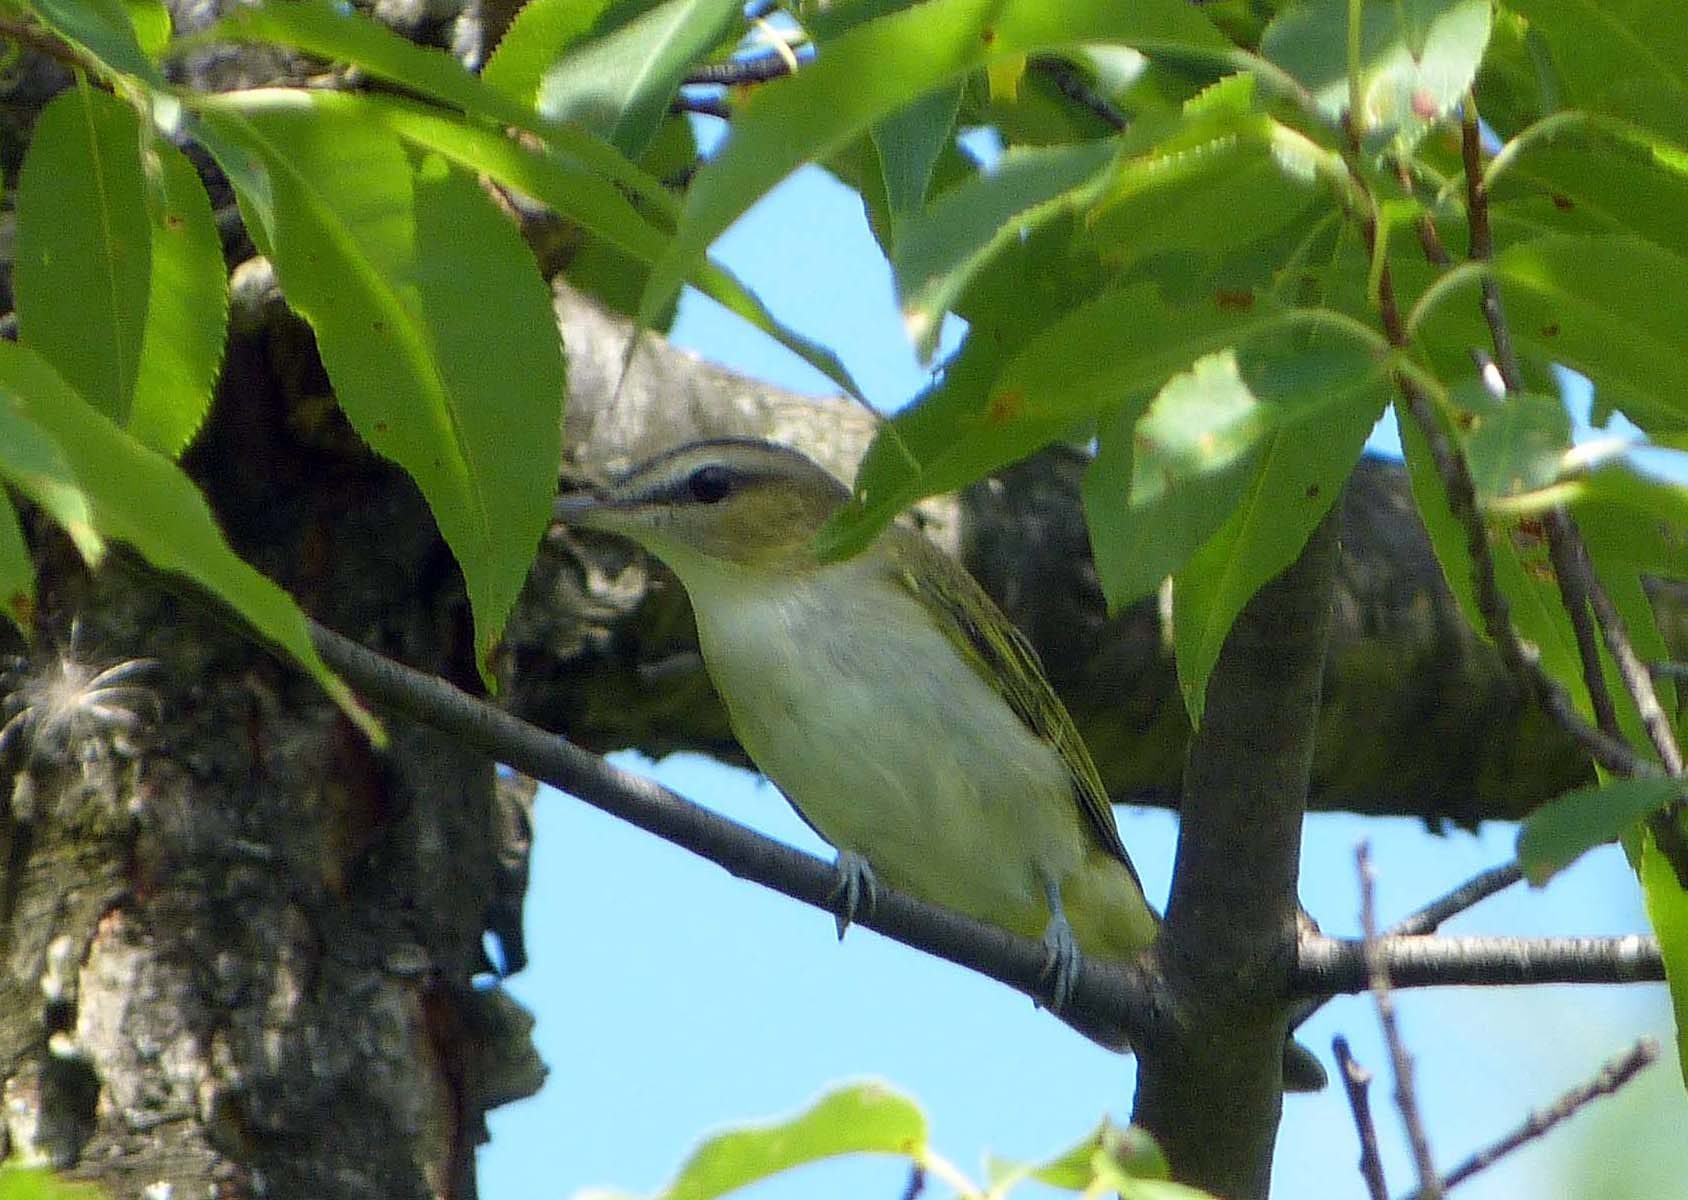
(727, 501)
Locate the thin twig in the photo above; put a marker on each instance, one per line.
(1356, 1080)
(760, 69)
(1637, 681)
(1071, 84)
(1474, 890)
(707, 106)
(1482, 245)
(1613, 1076)
(1429, 240)
(1327, 966)
(1570, 568)
(1668, 670)
(1406, 1097)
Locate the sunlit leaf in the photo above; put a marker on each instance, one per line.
(1624, 57)
(864, 1118)
(84, 246)
(38, 1183)
(408, 275)
(1416, 61)
(536, 39)
(186, 310)
(31, 461)
(880, 66)
(1564, 829)
(137, 496)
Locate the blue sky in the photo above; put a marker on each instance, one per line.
(673, 999)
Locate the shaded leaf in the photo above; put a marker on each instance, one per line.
(1517, 445)
(31, 461)
(877, 68)
(908, 143)
(1667, 910)
(1327, 398)
(1634, 519)
(137, 496)
(618, 83)
(105, 29)
(1624, 57)
(938, 253)
(1590, 174)
(84, 246)
(541, 32)
(1163, 482)
(17, 571)
(407, 276)
(864, 1118)
(1564, 829)
(187, 307)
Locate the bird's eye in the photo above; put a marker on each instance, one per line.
(711, 484)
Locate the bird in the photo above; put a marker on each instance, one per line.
(886, 695)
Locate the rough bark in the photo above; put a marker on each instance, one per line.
(239, 943)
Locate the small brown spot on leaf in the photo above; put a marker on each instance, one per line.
(382, 427)
(1235, 299)
(22, 609)
(378, 326)
(1005, 406)
(174, 221)
(1550, 330)
(1563, 203)
(987, 35)
(1313, 491)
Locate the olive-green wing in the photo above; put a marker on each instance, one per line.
(1003, 657)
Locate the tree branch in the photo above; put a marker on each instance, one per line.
(1356, 1082)
(1228, 949)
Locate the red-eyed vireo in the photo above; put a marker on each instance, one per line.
(890, 700)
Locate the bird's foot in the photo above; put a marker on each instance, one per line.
(1061, 960)
(857, 884)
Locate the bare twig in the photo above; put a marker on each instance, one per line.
(1613, 1076)
(1482, 246)
(1337, 966)
(1637, 681)
(1356, 1080)
(759, 69)
(1071, 84)
(1406, 1097)
(1474, 890)
(1570, 568)
(707, 106)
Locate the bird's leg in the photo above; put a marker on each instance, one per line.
(1060, 946)
(857, 883)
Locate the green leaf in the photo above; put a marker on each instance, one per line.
(1131, 1150)
(877, 68)
(938, 253)
(151, 19)
(17, 571)
(1517, 445)
(1628, 58)
(536, 39)
(864, 1118)
(137, 496)
(1593, 174)
(1634, 519)
(1569, 826)
(1613, 308)
(38, 1183)
(408, 276)
(619, 82)
(1417, 59)
(575, 190)
(31, 461)
(187, 307)
(1164, 481)
(1327, 398)
(84, 246)
(341, 33)
(104, 28)
(1667, 910)
(908, 143)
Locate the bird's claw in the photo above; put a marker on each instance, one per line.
(856, 884)
(1061, 960)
